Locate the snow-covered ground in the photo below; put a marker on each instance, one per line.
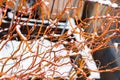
(45, 59)
(42, 57)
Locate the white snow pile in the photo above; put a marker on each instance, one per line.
(45, 61)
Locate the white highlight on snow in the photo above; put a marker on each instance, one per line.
(106, 2)
(116, 46)
(10, 15)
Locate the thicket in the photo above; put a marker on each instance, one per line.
(96, 28)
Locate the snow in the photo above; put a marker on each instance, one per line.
(12, 46)
(106, 2)
(46, 52)
(45, 55)
(10, 15)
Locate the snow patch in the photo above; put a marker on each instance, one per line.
(106, 2)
